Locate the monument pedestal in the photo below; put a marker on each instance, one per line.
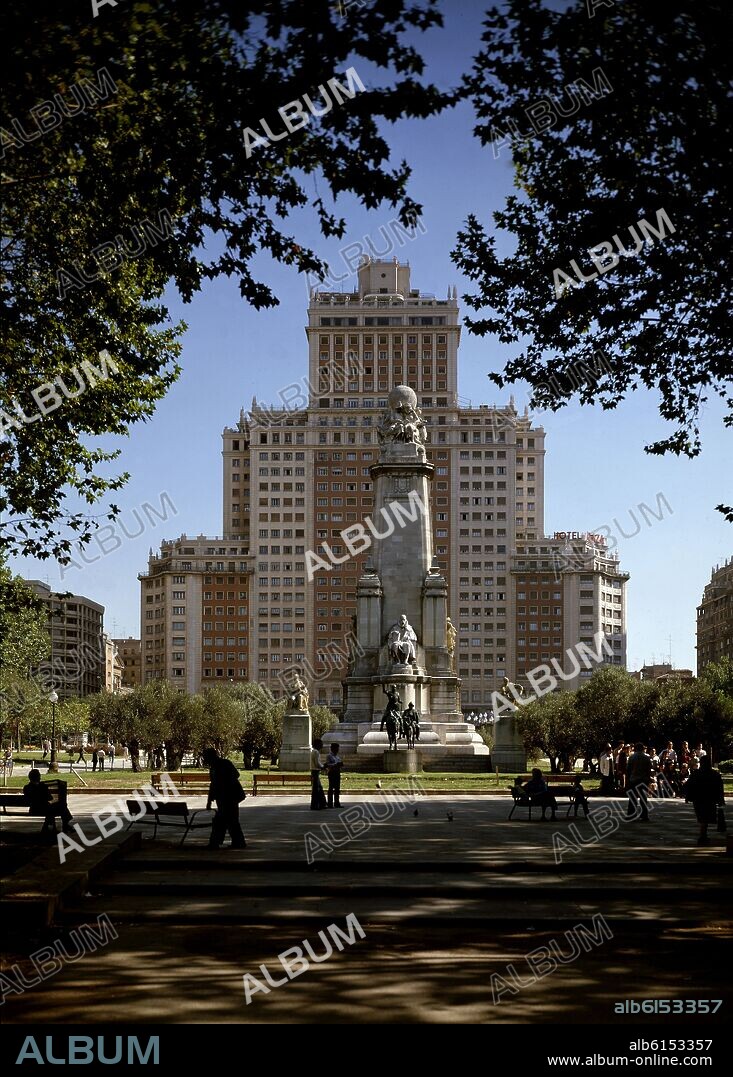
(508, 753)
(406, 761)
(295, 753)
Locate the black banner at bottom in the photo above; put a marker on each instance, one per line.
(552, 1047)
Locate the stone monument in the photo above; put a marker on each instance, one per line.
(508, 753)
(297, 730)
(406, 641)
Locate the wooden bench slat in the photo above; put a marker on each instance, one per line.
(278, 779)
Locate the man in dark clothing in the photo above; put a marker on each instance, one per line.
(38, 796)
(704, 788)
(638, 778)
(226, 790)
(334, 763)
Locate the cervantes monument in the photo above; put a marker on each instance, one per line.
(405, 639)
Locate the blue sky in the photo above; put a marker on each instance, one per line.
(596, 469)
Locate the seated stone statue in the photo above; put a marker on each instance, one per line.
(298, 697)
(402, 642)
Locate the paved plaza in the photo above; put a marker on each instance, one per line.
(444, 904)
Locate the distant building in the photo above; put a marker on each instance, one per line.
(76, 665)
(296, 476)
(191, 582)
(565, 590)
(715, 618)
(130, 656)
(662, 671)
(112, 666)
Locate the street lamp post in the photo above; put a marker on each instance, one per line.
(53, 767)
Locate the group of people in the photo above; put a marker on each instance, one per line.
(670, 769)
(227, 792)
(669, 773)
(332, 766)
(642, 774)
(101, 753)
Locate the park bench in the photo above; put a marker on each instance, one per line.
(57, 789)
(163, 815)
(193, 781)
(556, 779)
(279, 779)
(564, 788)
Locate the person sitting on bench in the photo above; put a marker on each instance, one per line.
(536, 789)
(38, 796)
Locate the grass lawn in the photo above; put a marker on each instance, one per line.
(125, 778)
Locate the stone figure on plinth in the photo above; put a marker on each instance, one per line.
(509, 688)
(402, 420)
(295, 750)
(298, 696)
(451, 636)
(402, 642)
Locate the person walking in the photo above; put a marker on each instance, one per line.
(226, 790)
(111, 755)
(81, 758)
(318, 797)
(704, 788)
(608, 772)
(638, 778)
(334, 763)
(46, 748)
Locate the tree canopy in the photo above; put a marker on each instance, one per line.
(614, 112)
(612, 705)
(225, 717)
(134, 156)
(24, 644)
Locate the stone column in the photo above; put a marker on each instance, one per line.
(401, 516)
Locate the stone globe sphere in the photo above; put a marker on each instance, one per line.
(402, 396)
